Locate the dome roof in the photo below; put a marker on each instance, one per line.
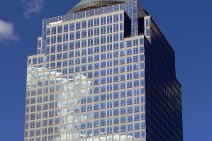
(90, 4)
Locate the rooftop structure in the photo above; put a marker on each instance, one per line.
(91, 4)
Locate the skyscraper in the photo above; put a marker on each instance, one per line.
(103, 72)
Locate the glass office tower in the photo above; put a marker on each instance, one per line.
(103, 72)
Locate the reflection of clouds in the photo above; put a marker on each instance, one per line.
(68, 95)
(71, 93)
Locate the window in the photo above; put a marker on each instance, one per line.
(116, 18)
(122, 53)
(115, 70)
(103, 39)
(96, 49)
(77, 53)
(90, 58)
(103, 98)
(53, 40)
(59, 56)
(116, 37)
(90, 42)
(40, 60)
(148, 31)
(103, 56)
(48, 31)
(116, 103)
(90, 23)
(129, 110)
(115, 62)
(59, 48)
(129, 84)
(116, 112)
(123, 112)
(136, 108)
(96, 41)
(90, 32)
(65, 47)
(96, 74)
(129, 60)
(52, 49)
(96, 21)
(96, 99)
(143, 125)
(96, 58)
(66, 28)
(103, 29)
(65, 37)
(147, 22)
(142, 41)
(84, 34)
(129, 43)
(135, 42)
(59, 38)
(109, 55)
(137, 126)
(47, 41)
(84, 24)
(109, 38)
(78, 25)
(103, 20)
(129, 101)
(122, 69)
(116, 121)
(122, 61)
(103, 73)
(103, 64)
(103, 48)
(123, 103)
(78, 35)
(84, 43)
(52, 57)
(96, 31)
(65, 55)
(72, 36)
(135, 58)
(109, 19)
(115, 86)
(109, 63)
(136, 74)
(72, 27)
(115, 46)
(115, 27)
(53, 30)
(84, 52)
(135, 50)
(59, 29)
(137, 117)
(71, 46)
(109, 29)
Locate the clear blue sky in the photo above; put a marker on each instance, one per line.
(187, 24)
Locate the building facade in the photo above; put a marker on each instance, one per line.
(103, 72)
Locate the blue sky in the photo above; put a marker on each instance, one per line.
(187, 24)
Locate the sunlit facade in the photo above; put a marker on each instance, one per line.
(102, 72)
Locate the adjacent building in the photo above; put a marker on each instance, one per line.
(103, 72)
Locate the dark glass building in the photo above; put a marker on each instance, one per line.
(103, 72)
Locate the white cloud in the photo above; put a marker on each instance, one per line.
(33, 7)
(7, 31)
